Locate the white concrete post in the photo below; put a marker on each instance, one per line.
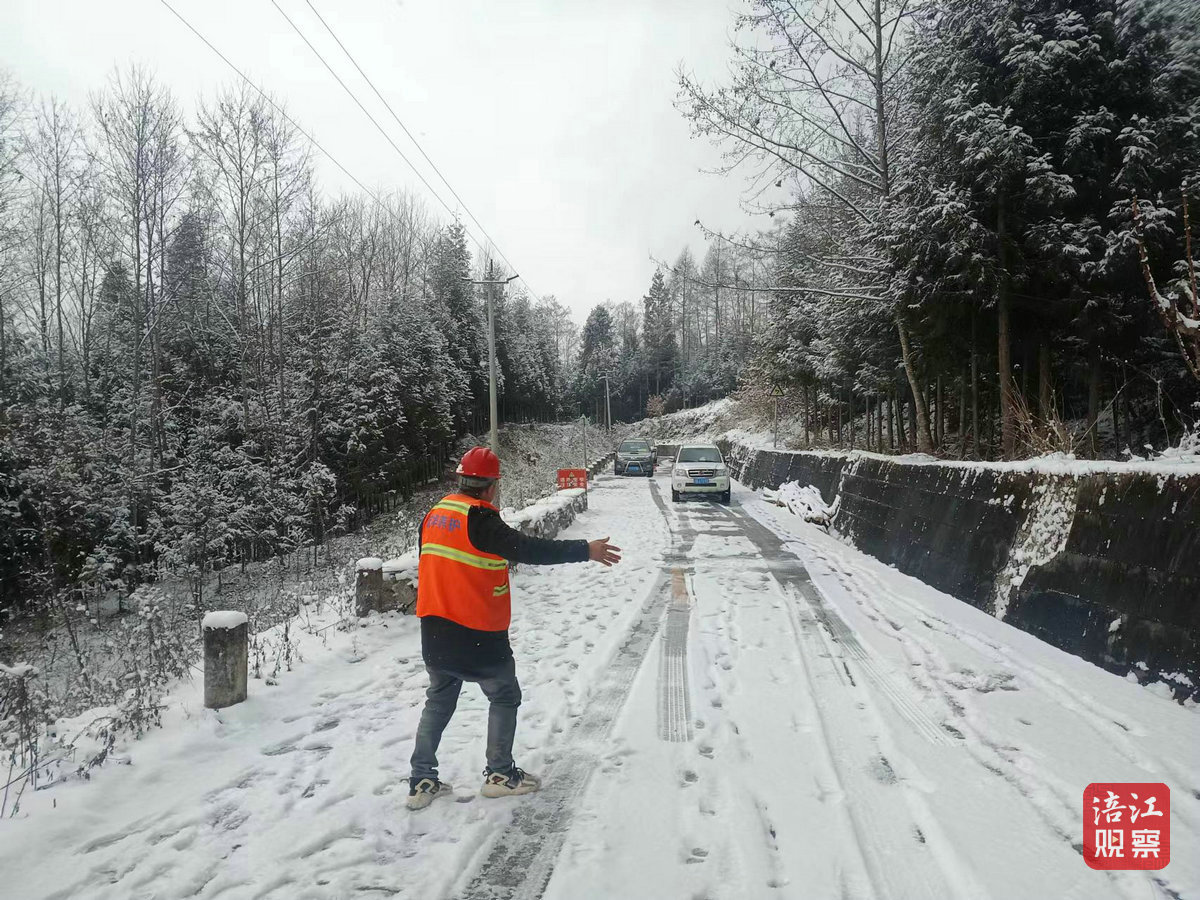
(225, 658)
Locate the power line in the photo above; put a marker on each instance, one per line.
(492, 244)
(411, 137)
(282, 112)
(387, 137)
(279, 109)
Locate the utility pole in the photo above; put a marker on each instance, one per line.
(607, 407)
(776, 393)
(583, 420)
(490, 284)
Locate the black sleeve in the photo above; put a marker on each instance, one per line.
(491, 534)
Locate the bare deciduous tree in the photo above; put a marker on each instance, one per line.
(816, 106)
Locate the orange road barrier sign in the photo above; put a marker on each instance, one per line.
(572, 478)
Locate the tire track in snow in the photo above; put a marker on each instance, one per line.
(523, 854)
(885, 818)
(846, 641)
(674, 701)
(1054, 803)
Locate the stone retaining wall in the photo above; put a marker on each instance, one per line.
(1105, 565)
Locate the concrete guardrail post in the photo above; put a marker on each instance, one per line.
(368, 588)
(225, 658)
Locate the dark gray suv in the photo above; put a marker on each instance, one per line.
(634, 457)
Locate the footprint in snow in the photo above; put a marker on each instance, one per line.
(881, 770)
(286, 746)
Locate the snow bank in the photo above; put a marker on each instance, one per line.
(1041, 537)
(803, 500)
(368, 563)
(541, 510)
(223, 620)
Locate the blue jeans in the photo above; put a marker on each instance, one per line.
(499, 685)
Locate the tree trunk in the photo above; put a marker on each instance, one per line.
(838, 404)
(891, 411)
(850, 411)
(807, 414)
(1116, 420)
(1095, 379)
(135, 374)
(912, 424)
(920, 413)
(1044, 394)
(58, 263)
(975, 383)
(940, 423)
(1008, 434)
(870, 429)
(3, 347)
(879, 422)
(962, 414)
(1127, 419)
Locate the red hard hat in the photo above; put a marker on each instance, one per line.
(479, 462)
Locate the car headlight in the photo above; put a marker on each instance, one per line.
(682, 473)
(720, 470)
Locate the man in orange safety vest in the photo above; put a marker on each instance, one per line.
(464, 605)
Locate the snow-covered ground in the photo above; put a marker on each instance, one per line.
(743, 708)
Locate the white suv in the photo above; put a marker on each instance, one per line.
(699, 469)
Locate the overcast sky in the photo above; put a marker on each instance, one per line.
(552, 119)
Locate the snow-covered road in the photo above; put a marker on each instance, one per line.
(744, 707)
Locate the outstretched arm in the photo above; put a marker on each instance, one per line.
(491, 534)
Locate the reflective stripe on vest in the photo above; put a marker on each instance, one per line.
(468, 559)
(454, 579)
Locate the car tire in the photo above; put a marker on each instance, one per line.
(674, 496)
(725, 497)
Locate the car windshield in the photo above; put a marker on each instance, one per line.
(700, 454)
(634, 447)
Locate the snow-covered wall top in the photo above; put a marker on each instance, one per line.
(735, 423)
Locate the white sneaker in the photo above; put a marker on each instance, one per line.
(425, 792)
(497, 784)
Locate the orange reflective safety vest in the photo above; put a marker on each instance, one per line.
(456, 581)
